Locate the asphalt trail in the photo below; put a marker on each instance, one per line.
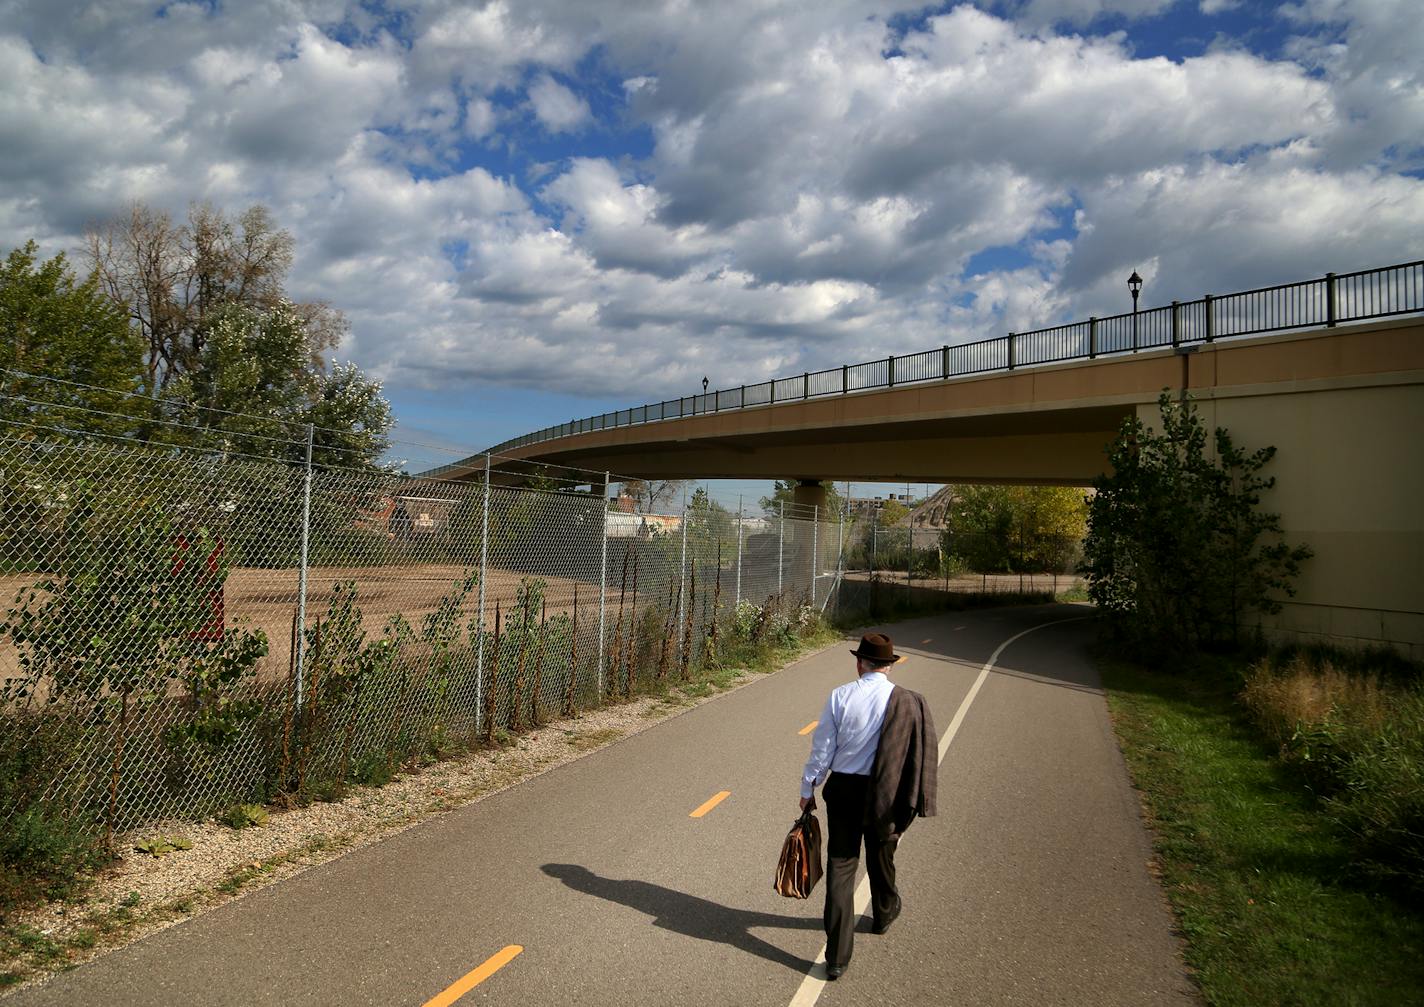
(1030, 887)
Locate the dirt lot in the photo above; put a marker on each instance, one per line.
(266, 599)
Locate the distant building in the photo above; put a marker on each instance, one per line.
(628, 525)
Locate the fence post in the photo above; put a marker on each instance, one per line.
(944, 362)
(845, 378)
(682, 576)
(1092, 336)
(891, 368)
(1330, 306)
(806, 384)
(1011, 351)
(815, 544)
(909, 560)
(1176, 323)
(780, 546)
(744, 397)
(1210, 319)
(739, 550)
(484, 577)
(302, 574)
(603, 587)
(840, 545)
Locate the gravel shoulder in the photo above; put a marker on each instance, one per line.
(141, 894)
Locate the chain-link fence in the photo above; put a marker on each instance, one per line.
(885, 564)
(183, 630)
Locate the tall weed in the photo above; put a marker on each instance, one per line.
(1357, 738)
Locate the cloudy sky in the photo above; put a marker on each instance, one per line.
(532, 210)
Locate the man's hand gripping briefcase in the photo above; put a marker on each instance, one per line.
(799, 868)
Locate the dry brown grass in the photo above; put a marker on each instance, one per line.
(1305, 692)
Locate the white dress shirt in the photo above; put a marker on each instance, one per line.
(846, 738)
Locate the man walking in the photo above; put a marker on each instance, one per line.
(876, 751)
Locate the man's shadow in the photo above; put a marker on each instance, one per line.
(688, 914)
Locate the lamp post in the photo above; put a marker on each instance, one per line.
(1134, 284)
(704, 393)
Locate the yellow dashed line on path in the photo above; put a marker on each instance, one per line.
(462, 986)
(710, 803)
(809, 727)
(927, 640)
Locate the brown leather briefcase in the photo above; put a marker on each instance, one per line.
(799, 868)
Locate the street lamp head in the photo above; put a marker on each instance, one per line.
(704, 385)
(1134, 284)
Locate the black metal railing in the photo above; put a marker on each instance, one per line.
(1323, 302)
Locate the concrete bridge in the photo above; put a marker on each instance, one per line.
(1343, 405)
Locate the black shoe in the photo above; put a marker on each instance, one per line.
(884, 925)
(834, 972)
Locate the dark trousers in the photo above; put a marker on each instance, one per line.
(846, 797)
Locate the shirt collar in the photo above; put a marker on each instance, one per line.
(876, 675)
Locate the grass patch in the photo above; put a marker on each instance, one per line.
(1261, 881)
(26, 951)
(586, 741)
(1355, 736)
(239, 877)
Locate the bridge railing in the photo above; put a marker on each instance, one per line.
(1322, 302)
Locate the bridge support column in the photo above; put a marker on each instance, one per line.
(807, 494)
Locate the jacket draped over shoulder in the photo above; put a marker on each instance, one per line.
(904, 776)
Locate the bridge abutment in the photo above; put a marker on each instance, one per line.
(1350, 485)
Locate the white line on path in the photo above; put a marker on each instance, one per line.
(815, 981)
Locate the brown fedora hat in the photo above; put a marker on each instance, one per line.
(876, 647)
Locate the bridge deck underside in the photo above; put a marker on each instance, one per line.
(1048, 446)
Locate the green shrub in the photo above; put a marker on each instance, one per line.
(44, 855)
(1178, 550)
(374, 769)
(746, 621)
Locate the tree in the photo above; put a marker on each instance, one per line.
(52, 326)
(784, 492)
(1178, 550)
(650, 494)
(172, 281)
(708, 525)
(254, 381)
(1011, 529)
(891, 513)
